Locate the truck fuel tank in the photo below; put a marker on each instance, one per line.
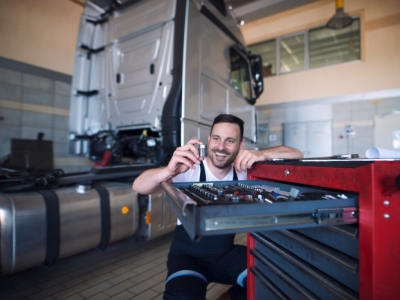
(42, 226)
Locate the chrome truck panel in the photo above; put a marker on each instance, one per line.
(131, 77)
(86, 69)
(87, 218)
(224, 17)
(207, 91)
(143, 65)
(163, 219)
(148, 14)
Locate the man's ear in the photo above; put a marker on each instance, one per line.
(241, 144)
(208, 140)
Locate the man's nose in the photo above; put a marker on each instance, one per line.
(221, 146)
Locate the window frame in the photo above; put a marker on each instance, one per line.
(306, 34)
(278, 52)
(249, 84)
(358, 18)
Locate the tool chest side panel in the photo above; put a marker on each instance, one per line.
(379, 216)
(385, 262)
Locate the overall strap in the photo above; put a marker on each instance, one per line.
(234, 174)
(203, 173)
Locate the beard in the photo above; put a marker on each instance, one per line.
(226, 163)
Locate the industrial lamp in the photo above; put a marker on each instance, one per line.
(340, 19)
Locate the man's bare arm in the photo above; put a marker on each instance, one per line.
(149, 181)
(182, 160)
(246, 158)
(282, 152)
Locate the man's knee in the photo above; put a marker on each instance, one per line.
(185, 284)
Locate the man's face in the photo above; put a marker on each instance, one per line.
(224, 144)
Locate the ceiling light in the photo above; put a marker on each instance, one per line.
(340, 19)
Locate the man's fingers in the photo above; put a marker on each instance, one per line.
(191, 147)
(245, 163)
(177, 161)
(194, 141)
(185, 157)
(188, 153)
(245, 160)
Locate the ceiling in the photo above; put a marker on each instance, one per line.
(251, 10)
(246, 10)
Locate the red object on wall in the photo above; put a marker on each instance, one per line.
(379, 215)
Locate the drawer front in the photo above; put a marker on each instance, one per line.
(265, 288)
(341, 238)
(289, 258)
(282, 281)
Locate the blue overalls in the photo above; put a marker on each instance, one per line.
(193, 265)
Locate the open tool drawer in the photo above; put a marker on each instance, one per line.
(213, 208)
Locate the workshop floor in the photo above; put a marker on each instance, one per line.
(126, 270)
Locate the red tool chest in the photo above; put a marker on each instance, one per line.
(367, 254)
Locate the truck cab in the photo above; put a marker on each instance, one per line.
(150, 75)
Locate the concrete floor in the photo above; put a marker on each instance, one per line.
(125, 270)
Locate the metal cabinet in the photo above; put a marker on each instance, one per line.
(314, 139)
(358, 261)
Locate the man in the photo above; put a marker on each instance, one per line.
(192, 265)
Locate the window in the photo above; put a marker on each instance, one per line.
(291, 53)
(240, 74)
(267, 50)
(314, 48)
(329, 47)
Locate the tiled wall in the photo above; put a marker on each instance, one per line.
(34, 100)
(360, 114)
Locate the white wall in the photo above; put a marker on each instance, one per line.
(42, 33)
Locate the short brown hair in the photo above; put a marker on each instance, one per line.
(226, 118)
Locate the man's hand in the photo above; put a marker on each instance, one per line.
(184, 158)
(246, 158)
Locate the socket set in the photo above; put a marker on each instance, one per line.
(244, 193)
(218, 207)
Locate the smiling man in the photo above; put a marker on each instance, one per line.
(192, 265)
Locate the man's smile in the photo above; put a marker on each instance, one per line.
(221, 155)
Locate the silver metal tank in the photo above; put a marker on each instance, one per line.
(83, 222)
(22, 231)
